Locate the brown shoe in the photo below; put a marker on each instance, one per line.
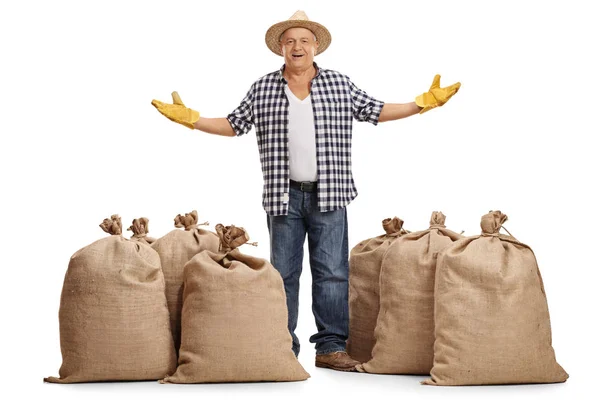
(339, 360)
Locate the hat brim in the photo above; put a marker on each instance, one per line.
(274, 32)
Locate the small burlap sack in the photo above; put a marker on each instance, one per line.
(176, 248)
(234, 319)
(363, 295)
(404, 332)
(492, 324)
(114, 321)
(139, 227)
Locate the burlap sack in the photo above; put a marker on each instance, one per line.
(492, 324)
(176, 248)
(404, 332)
(234, 319)
(114, 322)
(139, 227)
(363, 295)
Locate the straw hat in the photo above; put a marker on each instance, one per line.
(298, 20)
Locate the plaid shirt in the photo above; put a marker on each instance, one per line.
(335, 100)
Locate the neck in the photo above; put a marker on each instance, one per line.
(299, 74)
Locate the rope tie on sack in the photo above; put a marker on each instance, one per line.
(188, 221)
(393, 227)
(491, 223)
(232, 237)
(510, 234)
(139, 227)
(437, 226)
(437, 220)
(113, 225)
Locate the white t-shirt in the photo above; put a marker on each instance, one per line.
(302, 145)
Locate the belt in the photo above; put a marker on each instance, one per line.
(304, 186)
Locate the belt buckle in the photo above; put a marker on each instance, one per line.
(302, 186)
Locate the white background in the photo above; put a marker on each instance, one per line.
(80, 141)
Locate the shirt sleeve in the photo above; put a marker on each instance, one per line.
(364, 107)
(242, 118)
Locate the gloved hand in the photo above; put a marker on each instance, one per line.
(177, 112)
(436, 96)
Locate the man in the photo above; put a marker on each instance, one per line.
(303, 119)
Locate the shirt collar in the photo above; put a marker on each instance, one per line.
(282, 79)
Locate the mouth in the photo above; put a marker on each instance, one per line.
(297, 56)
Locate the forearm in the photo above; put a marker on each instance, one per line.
(391, 111)
(216, 126)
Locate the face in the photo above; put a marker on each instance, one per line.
(299, 47)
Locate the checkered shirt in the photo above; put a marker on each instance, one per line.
(335, 100)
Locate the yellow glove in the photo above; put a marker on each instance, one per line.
(436, 96)
(177, 112)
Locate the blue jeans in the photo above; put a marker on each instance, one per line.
(328, 251)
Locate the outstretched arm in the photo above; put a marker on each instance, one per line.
(216, 126)
(178, 112)
(435, 97)
(392, 111)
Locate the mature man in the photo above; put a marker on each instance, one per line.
(303, 119)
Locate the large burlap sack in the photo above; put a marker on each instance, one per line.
(492, 324)
(404, 332)
(234, 319)
(176, 248)
(114, 321)
(363, 291)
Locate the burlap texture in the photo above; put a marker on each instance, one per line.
(234, 319)
(404, 332)
(176, 248)
(140, 230)
(492, 324)
(114, 321)
(363, 295)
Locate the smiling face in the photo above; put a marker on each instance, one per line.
(298, 46)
